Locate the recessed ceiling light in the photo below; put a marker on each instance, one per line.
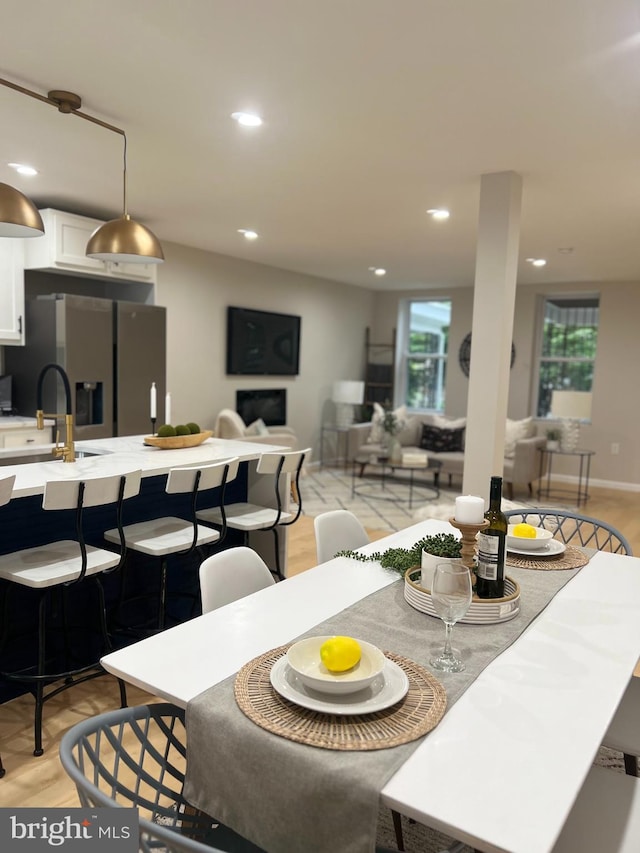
(22, 169)
(248, 235)
(378, 270)
(438, 213)
(247, 119)
(536, 262)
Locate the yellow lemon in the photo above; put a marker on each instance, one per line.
(340, 653)
(526, 531)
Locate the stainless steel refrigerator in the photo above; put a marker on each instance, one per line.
(111, 351)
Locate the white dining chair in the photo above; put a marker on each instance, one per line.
(172, 536)
(605, 817)
(248, 517)
(338, 530)
(232, 574)
(54, 574)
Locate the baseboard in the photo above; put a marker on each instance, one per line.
(600, 484)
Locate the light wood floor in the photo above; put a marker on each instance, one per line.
(41, 781)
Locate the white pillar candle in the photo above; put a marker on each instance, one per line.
(153, 401)
(469, 510)
(167, 408)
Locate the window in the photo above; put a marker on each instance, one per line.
(567, 348)
(423, 346)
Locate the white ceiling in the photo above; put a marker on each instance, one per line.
(374, 110)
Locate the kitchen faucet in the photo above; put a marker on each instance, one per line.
(67, 450)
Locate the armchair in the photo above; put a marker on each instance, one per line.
(230, 425)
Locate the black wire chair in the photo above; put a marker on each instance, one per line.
(572, 528)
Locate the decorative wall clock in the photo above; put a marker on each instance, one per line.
(464, 354)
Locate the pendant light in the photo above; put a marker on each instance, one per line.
(124, 240)
(19, 216)
(119, 240)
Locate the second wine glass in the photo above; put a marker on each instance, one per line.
(451, 596)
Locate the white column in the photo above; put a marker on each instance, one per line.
(492, 329)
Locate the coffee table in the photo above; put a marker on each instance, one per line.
(388, 485)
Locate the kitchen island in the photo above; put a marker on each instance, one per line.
(105, 456)
(24, 523)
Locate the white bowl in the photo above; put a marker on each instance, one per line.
(524, 543)
(304, 659)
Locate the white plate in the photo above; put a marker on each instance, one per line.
(388, 688)
(551, 550)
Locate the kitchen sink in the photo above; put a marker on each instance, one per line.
(45, 456)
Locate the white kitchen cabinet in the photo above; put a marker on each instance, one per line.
(12, 291)
(63, 247)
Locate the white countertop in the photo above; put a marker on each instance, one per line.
(119, 455)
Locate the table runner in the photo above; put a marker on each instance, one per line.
(288, 797)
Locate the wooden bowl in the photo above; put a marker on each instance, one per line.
(175, 442)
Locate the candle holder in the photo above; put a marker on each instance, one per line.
(153, 426)
(469, 533)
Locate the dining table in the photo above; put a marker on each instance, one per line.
(502, 767)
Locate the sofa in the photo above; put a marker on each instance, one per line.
(230, 425)
(443, 439)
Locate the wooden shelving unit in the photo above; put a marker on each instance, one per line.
(380, 370)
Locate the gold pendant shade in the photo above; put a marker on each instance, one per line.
(19, 217)
(124, 240)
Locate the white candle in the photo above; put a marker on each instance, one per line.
(153, 401)
(469, 510)
(167, 408)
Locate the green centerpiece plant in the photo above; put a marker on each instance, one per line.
(400, 559)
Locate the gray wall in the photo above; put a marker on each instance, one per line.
(616, 405)
(196, 287)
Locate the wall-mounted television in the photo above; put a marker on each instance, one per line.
(262, 343)
(270, 404)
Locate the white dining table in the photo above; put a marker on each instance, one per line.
(503, 767)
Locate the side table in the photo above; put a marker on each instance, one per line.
(584, 457)
(339, 431)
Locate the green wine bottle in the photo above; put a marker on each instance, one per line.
(492, 547)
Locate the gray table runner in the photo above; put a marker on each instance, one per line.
(293, 798)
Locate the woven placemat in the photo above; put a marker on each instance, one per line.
(572, 558)
(417, 713)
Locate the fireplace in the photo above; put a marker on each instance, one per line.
(270, 404)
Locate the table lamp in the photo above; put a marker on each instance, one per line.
(570, 407)
(346, 394)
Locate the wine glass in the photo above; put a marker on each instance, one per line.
(451, 597)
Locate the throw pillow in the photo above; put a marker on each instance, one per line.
(375, 436)
(514, 431)
(258, 427)
(441, 440)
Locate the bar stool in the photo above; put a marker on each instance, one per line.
(168, 536)
(6, 487)
(57, 574)
(250, 517)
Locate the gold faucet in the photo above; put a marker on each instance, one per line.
(67, 450)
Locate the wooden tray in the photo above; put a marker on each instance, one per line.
(175, 442)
